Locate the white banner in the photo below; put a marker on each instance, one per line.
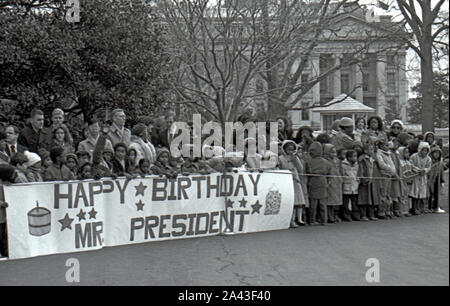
(50, 218)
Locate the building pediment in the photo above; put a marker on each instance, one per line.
(358, 28)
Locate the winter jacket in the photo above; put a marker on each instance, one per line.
(351, 180)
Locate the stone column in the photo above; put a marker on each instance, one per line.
(381, 84)
(402, 86)
(337, 75)
(315, 72)
(359, 95)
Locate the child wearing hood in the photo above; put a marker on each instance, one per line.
(350, 169)
(419, 189)
(387, 171)
(319, 170)
(334, 200)
(408, 172)
(436, 179)
(288, 160)
(72, 163)
(366, 162)
(34, 167)
(162, 164)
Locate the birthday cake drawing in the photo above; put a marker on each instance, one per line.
(39, 221)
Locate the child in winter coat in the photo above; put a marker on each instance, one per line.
(387, 171)
(365, 189)
(34, 167)
(334, 200)
(436, 179)
(162, 164)
(419, 188)
(72, 163)
(350, 187)
(288, 160)
(408, 172)
(85, 172)
(397, 190)
(144, 167)
(319, 170)
(120, 164)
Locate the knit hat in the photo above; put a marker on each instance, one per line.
(327, 148)
(33, 159)
(304, 127)
(315, 149)
(83, 152)
(346, 122)
(161, 151)
(43, 153)
(138, 129)
(73, 156)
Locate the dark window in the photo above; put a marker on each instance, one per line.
(305, 111)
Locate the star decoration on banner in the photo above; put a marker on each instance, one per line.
(66, 222)
(93, 214)
(243, 203)
(229, 203)
(81, 215)
(140, 189)
(140, 206)
(256, 207)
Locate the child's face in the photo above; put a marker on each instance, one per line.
(333, 153)
(71, 163)
(132, 155)
(107, 156)
(120, 153)
(164, 158)
(87, 172)
(48, 162)
(352, 158)
(423, 152)
(145, 168)
(341, 155)
(290, 149)
(84, 159)
(436, 155)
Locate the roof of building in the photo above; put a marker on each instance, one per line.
(344, 104)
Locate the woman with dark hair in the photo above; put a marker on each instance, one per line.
(284, 129)
(304, 137)
(360, 128)
(62, 138)
(375, 130)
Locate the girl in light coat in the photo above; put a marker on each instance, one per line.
(419, 188)
(289, 161)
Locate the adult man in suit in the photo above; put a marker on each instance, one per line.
(9, 145)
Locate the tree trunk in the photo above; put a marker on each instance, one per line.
(426, 70)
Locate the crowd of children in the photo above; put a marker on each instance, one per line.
(347, 175)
